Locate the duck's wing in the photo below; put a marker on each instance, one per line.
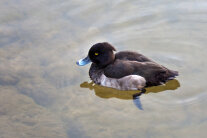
(154, 74)
(132, 56)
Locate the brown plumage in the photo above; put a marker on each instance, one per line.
(128, 63)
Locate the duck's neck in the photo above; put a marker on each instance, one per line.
(95, 73)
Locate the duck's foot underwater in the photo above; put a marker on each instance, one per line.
(143, 90)
(136, 99)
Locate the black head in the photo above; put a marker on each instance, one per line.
(102, 54)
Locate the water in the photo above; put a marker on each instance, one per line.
(44, 94)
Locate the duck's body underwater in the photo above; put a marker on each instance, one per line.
(124, 70)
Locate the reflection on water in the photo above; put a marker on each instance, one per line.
(105, 92)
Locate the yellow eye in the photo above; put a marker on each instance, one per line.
(96, 54)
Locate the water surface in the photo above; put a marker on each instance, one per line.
(44, 94)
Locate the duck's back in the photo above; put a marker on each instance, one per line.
(132, 56)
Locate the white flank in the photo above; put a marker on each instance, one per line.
(130, 82)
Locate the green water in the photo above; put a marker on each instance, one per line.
(44, 94)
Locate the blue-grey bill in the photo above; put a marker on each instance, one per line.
(83, 62)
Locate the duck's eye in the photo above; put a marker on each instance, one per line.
(96, 54)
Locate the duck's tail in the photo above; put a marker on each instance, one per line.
(162, 77)
(172, 74)
(166, 76)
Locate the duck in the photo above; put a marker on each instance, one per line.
(124, 70)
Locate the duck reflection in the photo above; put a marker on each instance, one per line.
(105, 92)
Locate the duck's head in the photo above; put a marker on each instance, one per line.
(100, 54)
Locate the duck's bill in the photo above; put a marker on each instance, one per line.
(83, 62)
